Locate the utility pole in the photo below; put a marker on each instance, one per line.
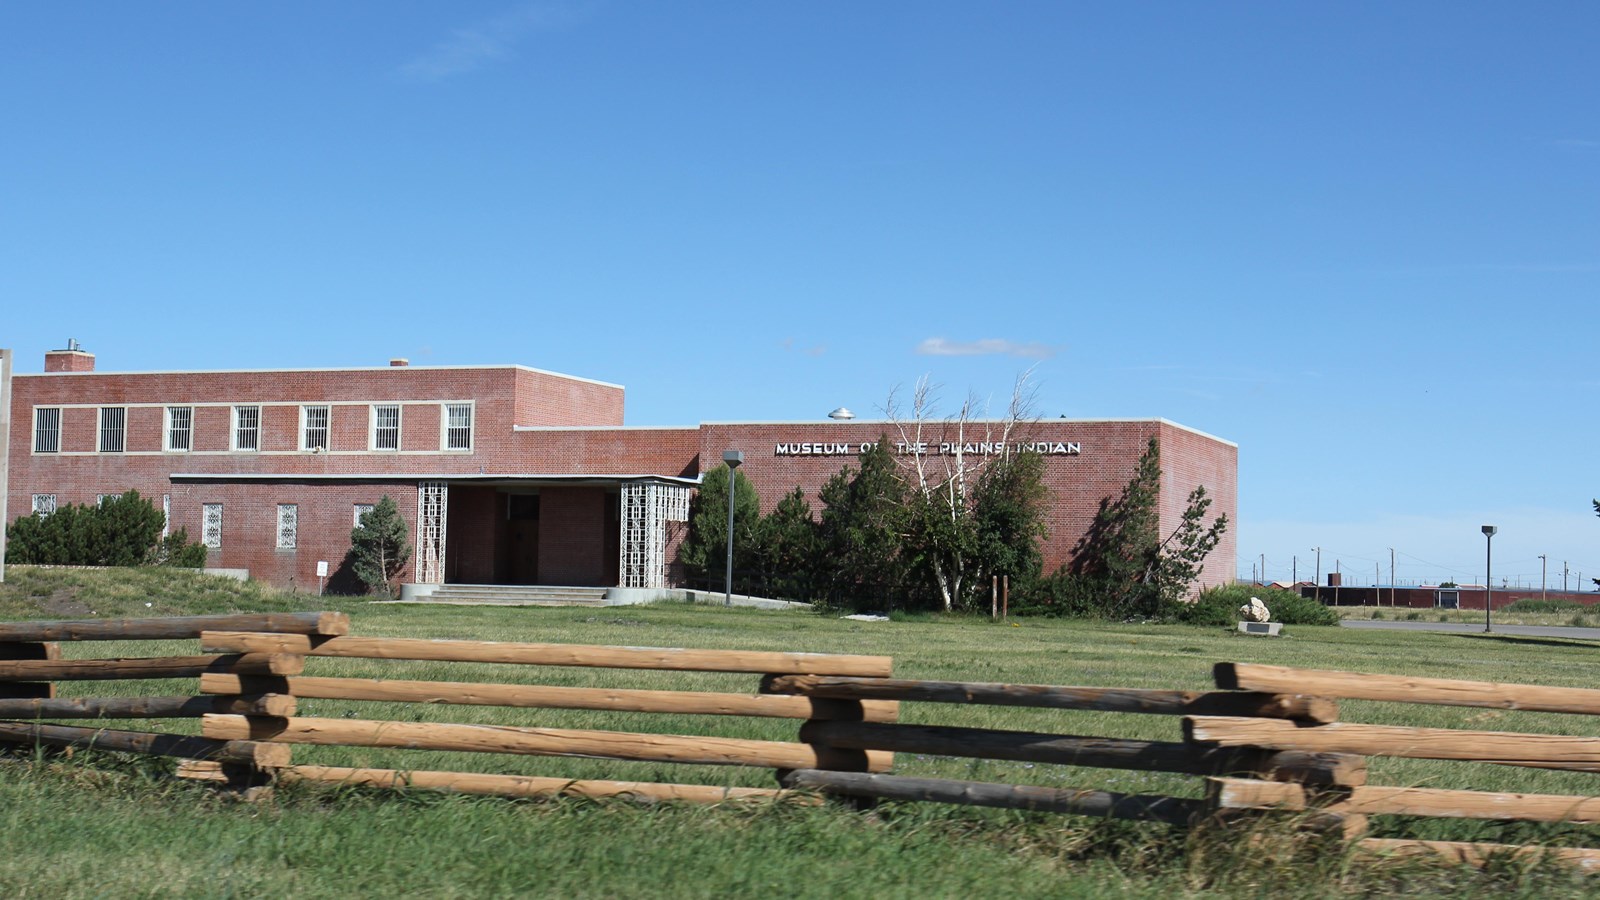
(1377, 592)
(1319, 573)
(1294, 569)
(1542, 564)
(1338, 582)
(1391, 577)
(1263, 568)
(1563, 576)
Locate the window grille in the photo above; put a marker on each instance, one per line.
(458, 426)
(166, 514)
(288, 525)
(44, 504)
(361, 509)
(102, 499)
(180, 428)
(113, 433)
(211, 525)
(247, 428)
(47, 429)
(316, 427)
(386, 427)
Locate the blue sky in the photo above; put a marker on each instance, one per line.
(1361, 240)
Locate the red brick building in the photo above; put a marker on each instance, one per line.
(505, 474)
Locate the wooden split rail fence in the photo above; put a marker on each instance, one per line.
(1268, 739)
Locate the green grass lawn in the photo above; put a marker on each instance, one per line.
(119, 827)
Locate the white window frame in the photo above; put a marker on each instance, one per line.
(288, 525)
(360, 509)
(112, 435)
(239, 430)
(100, 499)
(42, 415)
(44, 504)
(306, 413)
(445, 428)
(170, 428)
(211, 525)
(166, 514)
(373, 427)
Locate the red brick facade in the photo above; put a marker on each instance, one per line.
(533, 484)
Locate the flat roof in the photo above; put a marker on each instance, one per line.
(406, 477)
(407, 368)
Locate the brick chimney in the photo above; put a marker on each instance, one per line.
(72, 359)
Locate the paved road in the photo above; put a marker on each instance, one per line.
(1558, 631)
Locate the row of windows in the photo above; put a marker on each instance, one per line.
(288, 522)
(315, 422)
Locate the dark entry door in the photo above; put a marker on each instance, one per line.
(523, 538)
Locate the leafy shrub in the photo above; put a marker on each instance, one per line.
(1412, 617)
(1220, 606)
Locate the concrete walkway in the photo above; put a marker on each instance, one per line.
(1556, 631)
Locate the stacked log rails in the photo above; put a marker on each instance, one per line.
(1503, 748)
(547, 741)
(31, 663)
(1189, 758)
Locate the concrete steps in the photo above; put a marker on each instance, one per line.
(515, 595)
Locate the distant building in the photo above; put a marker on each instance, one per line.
(506, 474)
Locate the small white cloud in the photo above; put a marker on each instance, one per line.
(480, 43)
(986, 347)
(790, 346)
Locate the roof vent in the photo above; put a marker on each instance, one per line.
(399, 362)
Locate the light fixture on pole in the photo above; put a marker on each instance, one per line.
(841, 414)
(733, 459)
(1488, 577)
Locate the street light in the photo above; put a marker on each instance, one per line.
(732, 459)
(1488, 577)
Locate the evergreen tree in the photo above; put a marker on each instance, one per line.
(124, 530)
(705, 550)
(786, 549)
(1122, 565)
(1008, 520)
(862, 532)
(380, 547)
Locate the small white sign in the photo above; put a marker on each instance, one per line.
(322, 568)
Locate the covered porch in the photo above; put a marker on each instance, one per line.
(582, 531)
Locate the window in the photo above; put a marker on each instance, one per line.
(166, 514)
(47, 429)
(211, 525)
(44, 504)
(180, 429)
(458, 426)
(288, 524)
(102, 499)
(247, 428)
(386, 427)
(314, 428)
(361, 510)
(113, 433)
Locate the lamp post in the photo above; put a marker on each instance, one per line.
(1488, 577)
(732, 459)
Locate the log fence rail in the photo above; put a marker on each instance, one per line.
(1269, 739)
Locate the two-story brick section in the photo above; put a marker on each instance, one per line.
(505, 474)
